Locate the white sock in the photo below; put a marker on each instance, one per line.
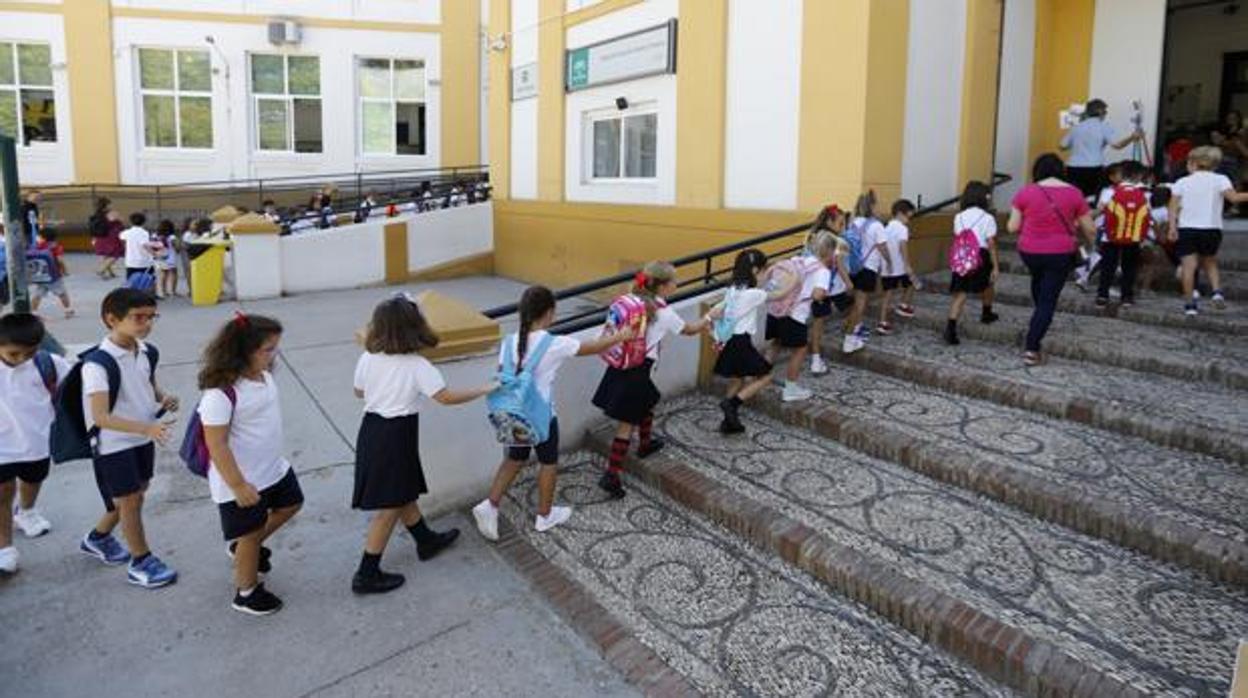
(245, 593)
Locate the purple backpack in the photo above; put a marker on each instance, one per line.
(194, 449)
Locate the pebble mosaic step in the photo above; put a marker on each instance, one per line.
(1208, 418)
(663, 582)
(1115, 613)
(1186, 354)
(1161, 281)
(1176, 506)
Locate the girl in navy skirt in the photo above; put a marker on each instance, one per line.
(392, 377)
(739, 361)
(629, 395)
(974, 216)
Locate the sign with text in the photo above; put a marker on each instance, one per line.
(637, 55)
(524, 82)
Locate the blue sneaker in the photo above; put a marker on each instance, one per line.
(151, 573)
(106, 549)
(862, 331)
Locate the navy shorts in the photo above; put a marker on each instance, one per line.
(547, 451)
(823, 308)
(787, 332)
(1199, 241)
(237, 521)
(34, 471)
(894, 282)
(124, 472)
(866, 281)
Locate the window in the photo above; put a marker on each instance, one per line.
(286, 91)
(392, 106)
(176, 88)
(27, 106)
(625, 147)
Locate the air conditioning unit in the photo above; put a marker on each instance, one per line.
(283, 31)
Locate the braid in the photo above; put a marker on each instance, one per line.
(522, 338)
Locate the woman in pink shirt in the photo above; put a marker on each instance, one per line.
(1047, 215)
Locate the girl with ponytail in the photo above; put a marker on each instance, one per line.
(537, 313)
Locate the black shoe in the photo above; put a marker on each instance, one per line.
(726, 427)
(988, 317)
(951, 336)
(610, 483)
(656, 444)
(265, 566)
(259, 603)
(441, 541)
(732, 421)
(1102, 301)
(379, 583)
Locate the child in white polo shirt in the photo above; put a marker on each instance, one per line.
(28, 380)
(1196, 204)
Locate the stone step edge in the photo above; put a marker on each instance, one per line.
(1009, 655)
(1162, 284)
(1218, 558)
(1048, 401)
(1227, 264)
(615, 642)
(1215, 371)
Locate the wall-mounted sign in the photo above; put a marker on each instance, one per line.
(637, 55)
(524, 82)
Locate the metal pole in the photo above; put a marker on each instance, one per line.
(14, 238)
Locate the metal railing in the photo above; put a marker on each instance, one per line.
(707, 281)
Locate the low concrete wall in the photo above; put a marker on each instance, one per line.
(437, 237)
(334, 258)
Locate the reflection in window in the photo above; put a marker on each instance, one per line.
(625, 147)
(392, 106)
(27, 104)
(176, 90)
(286, 91)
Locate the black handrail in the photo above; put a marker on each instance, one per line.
(705, 283)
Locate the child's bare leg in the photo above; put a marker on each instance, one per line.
(507, 471)
(624, 431)
(130, 509)
(816, 335)
(547, 477)
(379, 530)
(734, 387)
(108, 521)
(247, 559)
(886, 306)
(907, 296)
(277, 519)
(27, 493)
(1187, 266)
(751, 389)
(1209, 265)
(6, 505)
(796, 359)
(955, 308)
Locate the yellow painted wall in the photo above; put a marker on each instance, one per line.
(1063, 65)
(461, 83)
(93, 106)
(700, 86)
(500, 102)
(886, 97)
(550, 102)
(605, 7)
(979, 90)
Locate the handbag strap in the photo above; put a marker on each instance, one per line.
(1062, 217)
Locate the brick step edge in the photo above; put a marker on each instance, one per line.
(639, 665)
(1229, 264)
(1174, 318)
(984, 385)
(1218, 558)
(1215, 371)
(1011, 656)
(1163, 283)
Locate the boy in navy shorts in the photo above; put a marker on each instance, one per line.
(124, 450)
(28, 380)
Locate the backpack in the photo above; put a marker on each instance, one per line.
(97, 225)
(724, 327)
(518, 412)
(854, 261)
(141, 281)
(194, 448)
(71, 440)
(627, 311)
(964, 257)
(47, 371)
(1127, 215)
(788, 274)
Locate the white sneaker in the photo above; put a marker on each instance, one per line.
(1219, 301)
(8, 560)
(852, 344)
(817, 365)
(556, 516)
(31, 522)
(1195, 295)
(486, 515)
(795, 393)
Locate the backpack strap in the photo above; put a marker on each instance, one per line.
(509, 355)
(153, 358)
(539, 351)
(104, 360)
(47, 371)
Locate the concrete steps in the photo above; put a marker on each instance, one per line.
(1231, 256)
(1234, 283)
(1198, 416)
(685, 607)
(1033, 605)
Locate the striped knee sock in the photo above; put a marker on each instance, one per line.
(615, 461)
(643, 432)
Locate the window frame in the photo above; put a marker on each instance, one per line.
(17, 86)
(587, 146)
(177, 93)
(286, 97)
(393, 101)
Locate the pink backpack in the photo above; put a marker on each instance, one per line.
(788, 274)
(964, 256)
(627, 311)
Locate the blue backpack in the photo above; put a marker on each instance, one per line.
(726, 324)
(194, 449)
(71, 439)
(141, 281)
(853, 238)
(518, 412)
(47, 371)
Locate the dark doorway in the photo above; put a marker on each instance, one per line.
(1234, 82)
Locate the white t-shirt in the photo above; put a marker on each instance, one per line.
(745, 304)
(872, 236)
(137, 254)
(838, 284)
(136, 398)
(895, 233)
(982, 223)
(1202, 196)
(394, 383)
(1161, 221)
(665, 322)
(255, 437)
(818, 277)
(561, 349)
(26, 411)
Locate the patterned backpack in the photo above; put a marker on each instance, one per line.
(627, 311)
(964, 258)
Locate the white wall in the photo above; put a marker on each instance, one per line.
(934, 62)
(656, 93)
(762, 103)
(1198, 38)
(234, 154)
(1128, 38)
(45, 163)
(438, 237)
(424, 11)
(523, 113)
(1014, 101)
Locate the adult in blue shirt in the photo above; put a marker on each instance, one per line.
(1085, 167)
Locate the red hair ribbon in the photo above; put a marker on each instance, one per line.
(832, 210)
(240, 319)
(640, 279)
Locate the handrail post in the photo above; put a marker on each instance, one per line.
(707, 278)
(259, 194)
(159, 205)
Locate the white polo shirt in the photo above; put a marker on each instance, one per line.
(1202, 196)
(138, 256)
(393, 384)
(255, 436)
(560, 350)
(26, 411)
(136, 398)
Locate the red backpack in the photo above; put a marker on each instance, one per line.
(627, 311)
(1127, 215)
